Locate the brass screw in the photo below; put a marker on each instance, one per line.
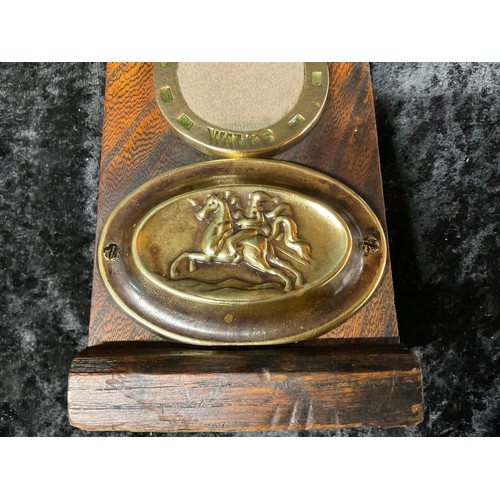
(370, 245)
(111, 252)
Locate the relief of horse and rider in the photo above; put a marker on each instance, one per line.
(251, 236)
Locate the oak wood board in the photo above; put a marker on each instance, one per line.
(138, 145)
(130, 379)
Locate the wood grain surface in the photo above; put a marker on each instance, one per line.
(149, 388)
(139, 145)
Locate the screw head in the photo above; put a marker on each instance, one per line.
(370, 244)
(111, 252)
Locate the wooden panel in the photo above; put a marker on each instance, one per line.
(153, 389)
(160, 386)
(138, 145)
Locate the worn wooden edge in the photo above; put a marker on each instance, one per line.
(141, 387)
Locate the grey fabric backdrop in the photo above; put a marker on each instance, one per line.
(439, 135)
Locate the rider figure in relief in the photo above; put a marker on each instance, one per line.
(234, 236)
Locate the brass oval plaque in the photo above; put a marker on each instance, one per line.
(255, 230)
(241, 109)
(242, 252)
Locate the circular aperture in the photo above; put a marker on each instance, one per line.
(241, 96)
(241, 109)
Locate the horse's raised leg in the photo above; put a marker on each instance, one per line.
(193, 258)
(256, 258)
(276, 261)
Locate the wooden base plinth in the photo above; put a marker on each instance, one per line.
(139, 387)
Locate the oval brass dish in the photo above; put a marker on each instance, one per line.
(241, 110)
(242, 252)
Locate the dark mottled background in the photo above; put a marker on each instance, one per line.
(439, 133)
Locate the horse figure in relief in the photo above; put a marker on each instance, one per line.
(233, 236)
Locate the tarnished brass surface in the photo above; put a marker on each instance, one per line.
(242, 252)
(216, 140)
